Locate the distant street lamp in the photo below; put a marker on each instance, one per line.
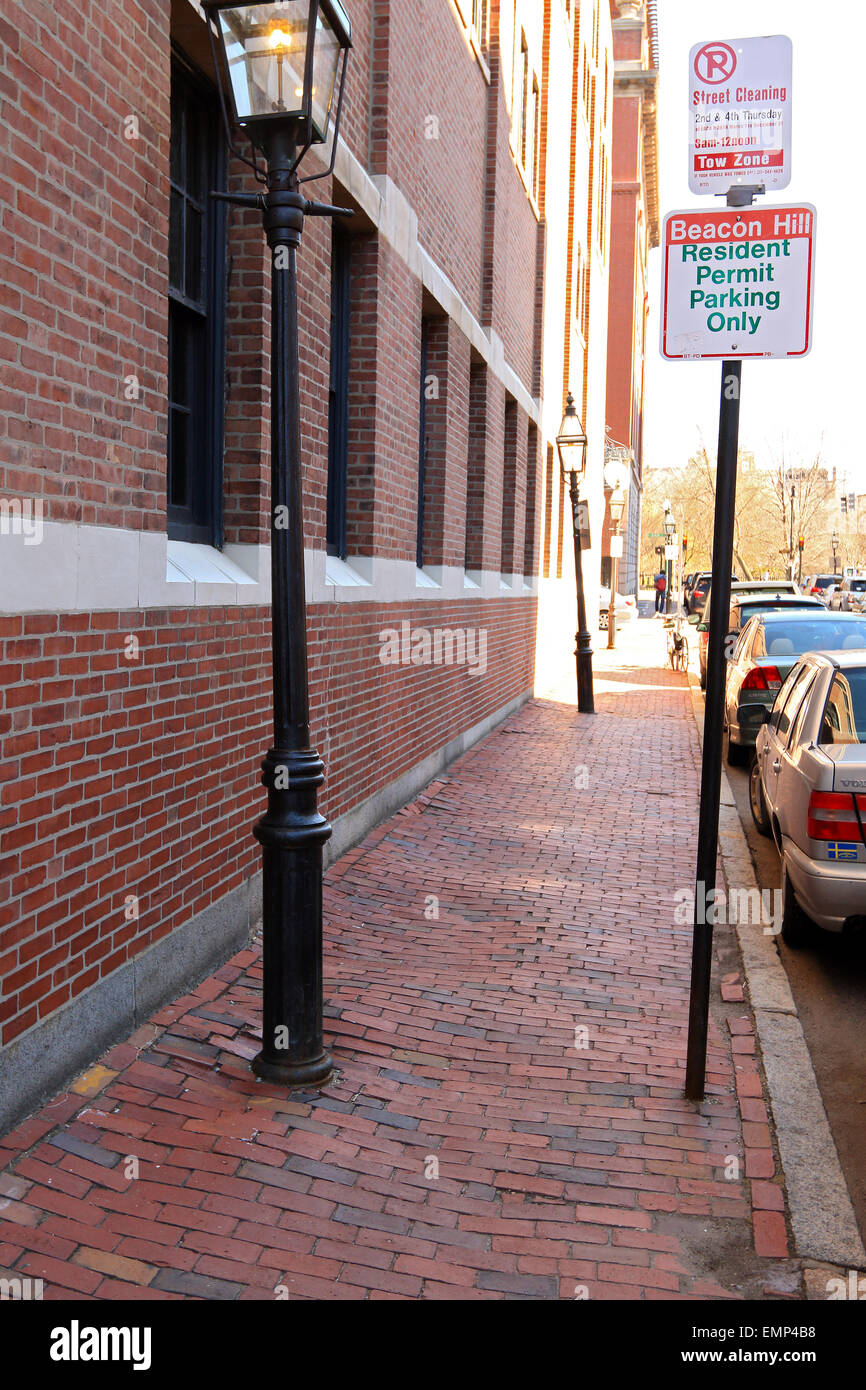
(670, 533)
(282, 65)
(571, 445)
(615, 477)
(834, 541)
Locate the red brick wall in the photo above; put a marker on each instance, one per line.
(138, 778)
(246, 466)
(428, 132)
(83, 248)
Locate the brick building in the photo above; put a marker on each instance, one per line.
(440, 329)
(634, 231)
(576, 203)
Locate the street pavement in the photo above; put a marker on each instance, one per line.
(506, 994)
(828, 982)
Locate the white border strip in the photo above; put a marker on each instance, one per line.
(85, 569)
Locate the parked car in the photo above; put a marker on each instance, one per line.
(850, 595)
(700, 588)
(818, 584)
(769, 645)
(696, 597)
(626, 608)
(747, 598)
(808, 790)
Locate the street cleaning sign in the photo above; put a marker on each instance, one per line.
(737, 283)
(740, 113)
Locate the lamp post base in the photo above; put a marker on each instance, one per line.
(295, 1075)
(585, 694)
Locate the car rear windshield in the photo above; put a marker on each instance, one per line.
(825, 634)
(743, 590)
(845, 711)
(776, 605)
(858, 584)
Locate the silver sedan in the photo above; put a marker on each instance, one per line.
(808, 790)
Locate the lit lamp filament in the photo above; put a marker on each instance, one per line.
(280, 40)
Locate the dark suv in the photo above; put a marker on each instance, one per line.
(695, 594)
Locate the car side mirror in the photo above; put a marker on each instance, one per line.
(766, 714)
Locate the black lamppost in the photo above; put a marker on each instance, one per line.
(670, 533)
(571, 444)
(615, 476)
(834, 541)
(283, 64)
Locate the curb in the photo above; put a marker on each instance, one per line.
(823, 1223)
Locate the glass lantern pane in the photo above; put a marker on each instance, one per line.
(326, 58)
(266, 48)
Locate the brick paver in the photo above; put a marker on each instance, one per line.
(506, 1000)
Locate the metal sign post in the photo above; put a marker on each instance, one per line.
(734, 286)
(711, 762)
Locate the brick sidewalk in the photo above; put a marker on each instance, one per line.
(550, 852)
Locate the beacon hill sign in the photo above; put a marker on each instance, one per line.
(738, 283)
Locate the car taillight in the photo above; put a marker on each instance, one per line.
(831, 816)
(762, 678)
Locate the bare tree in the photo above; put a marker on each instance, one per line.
(804, 503)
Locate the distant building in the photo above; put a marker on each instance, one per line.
(575, 204)
(634, 231)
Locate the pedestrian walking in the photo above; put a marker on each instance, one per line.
(661, 584)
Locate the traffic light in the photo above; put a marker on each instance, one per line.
(685, 544)
(800, 543)
(852, 502)
(843, 503)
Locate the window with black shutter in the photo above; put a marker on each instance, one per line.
(338, 394)
(422, 443)
(196, 313)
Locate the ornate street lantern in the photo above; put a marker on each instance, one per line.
(616, 505)
(280, 65)
(616, 475)
(571, 440)
(285, 61)
(571, 445)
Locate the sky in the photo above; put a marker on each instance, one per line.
(816, 402)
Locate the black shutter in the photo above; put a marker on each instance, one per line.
(196, 313)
